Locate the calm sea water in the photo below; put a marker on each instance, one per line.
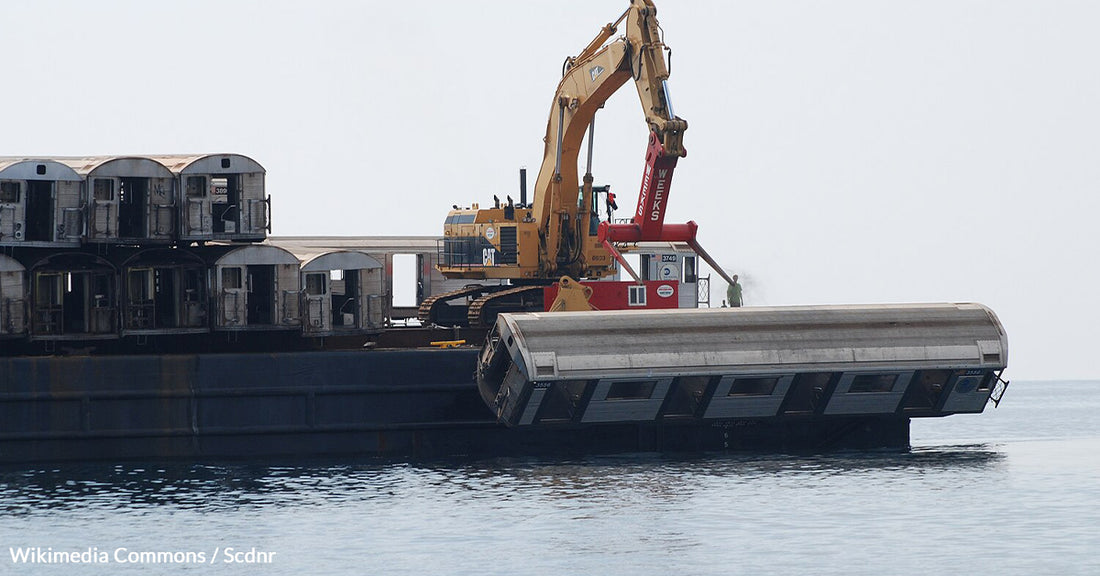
(1013, 491)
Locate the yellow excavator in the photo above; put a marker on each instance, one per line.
(559, 233)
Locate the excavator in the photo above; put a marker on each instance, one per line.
(559, 234)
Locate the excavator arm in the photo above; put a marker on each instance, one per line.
(590, 79)
(650, 73)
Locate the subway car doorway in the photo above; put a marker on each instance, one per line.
(261, 295)
(39, 219)
(133, 194)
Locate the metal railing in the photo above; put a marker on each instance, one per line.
(702, 291)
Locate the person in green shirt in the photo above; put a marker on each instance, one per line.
(733, 293)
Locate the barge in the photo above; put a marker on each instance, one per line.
(421, 402)
(145, 313)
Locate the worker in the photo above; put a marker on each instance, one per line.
(733, 293)
(611, 205)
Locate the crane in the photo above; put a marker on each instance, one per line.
(559, 234)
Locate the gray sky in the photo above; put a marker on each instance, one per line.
(839, 152)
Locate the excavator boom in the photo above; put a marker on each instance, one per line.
(591, 78)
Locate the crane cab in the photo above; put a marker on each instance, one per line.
(674, 263)
(503, 243)
(499, 242)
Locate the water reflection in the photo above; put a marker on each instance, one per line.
(138, 487)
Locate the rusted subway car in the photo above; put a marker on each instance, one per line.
(86, 294)
(41, 203)
(148, 246)
(126, 199)
(221, 197)
(70, 201)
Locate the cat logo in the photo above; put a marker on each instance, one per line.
(595, 72)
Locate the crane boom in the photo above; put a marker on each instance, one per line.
(590, 79)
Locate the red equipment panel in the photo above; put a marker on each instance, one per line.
(616, 295)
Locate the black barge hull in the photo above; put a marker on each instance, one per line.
(390, 403)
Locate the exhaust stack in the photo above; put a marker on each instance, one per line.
(523, 187)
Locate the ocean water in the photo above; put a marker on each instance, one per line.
(1015, 490)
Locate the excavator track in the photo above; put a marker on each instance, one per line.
(433, 307)
(488, 302)
(483, 311)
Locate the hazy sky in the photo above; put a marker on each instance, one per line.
(839, 152)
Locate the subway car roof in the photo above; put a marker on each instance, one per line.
(36, 169)
(371, 244)
(127, 166)
(139, 165)
(257, 254)
(208, 163)
(649, 343)
(339, 260)
(160, 255)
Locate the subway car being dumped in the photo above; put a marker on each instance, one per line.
(145, 313)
